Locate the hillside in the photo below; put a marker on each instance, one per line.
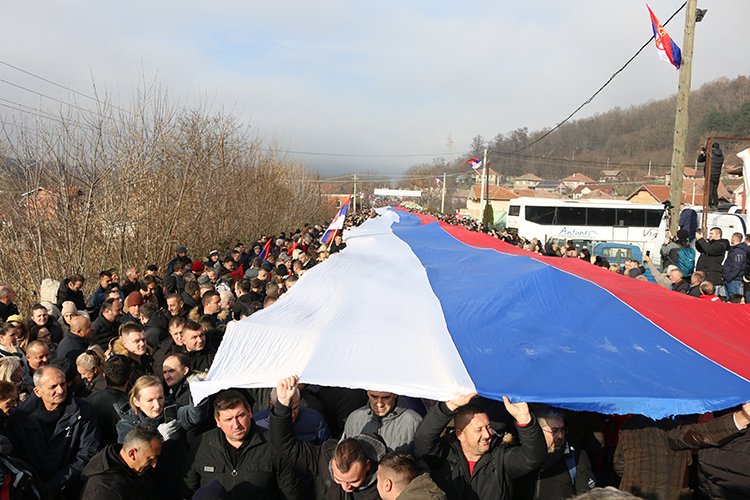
(625, 139)
(629, 138)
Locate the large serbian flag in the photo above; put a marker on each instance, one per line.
(337, 224)
(420, 308)
(668, 50)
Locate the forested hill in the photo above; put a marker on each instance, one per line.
(624, 139)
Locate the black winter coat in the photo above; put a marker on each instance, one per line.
(165, 350)
(57, 462)
(712, 254)
(736, 262)
(554, 480)
(108, 477)
(258, 473)
(725, 470)
(106, 404)
(493, 472)
(70, 347)
(103, 331)
(64, 293)
(315, 459)
(168, 471)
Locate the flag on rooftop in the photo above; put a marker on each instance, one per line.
(667, 48)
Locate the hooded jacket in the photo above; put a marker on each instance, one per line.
(422, 488)
(397, 428)
(139, 366)
(108, 477)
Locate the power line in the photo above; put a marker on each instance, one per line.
(40, 94)
(63, 87)
(543, 136)
(354, 155)
(549, 159)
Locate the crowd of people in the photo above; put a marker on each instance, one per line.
(721, 271)
(95, 403)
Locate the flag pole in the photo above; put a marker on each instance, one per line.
(484, 180)
(681, 118)
(442, 201)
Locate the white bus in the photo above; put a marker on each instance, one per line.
(589, 221)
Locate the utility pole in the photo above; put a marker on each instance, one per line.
(486, 182)
(681, 117)
(354, 195)
(442, 201)
(481, 193)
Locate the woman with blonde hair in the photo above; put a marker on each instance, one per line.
(89, 365)
(146, 404)
(11, 370)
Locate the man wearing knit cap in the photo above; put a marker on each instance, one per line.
(197, 268)
(180, 256)
(133, 303)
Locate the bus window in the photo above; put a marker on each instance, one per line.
(540, 215)
(634, 217)
(514, 210)
(601, 217)
(653, 217)
(571, 216)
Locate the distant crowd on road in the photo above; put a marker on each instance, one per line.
(95, 403)
(720, 273)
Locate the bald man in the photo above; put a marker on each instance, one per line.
(73, 344)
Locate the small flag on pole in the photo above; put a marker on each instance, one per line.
(475, 163)
(266, 250)
(337, 224)
(668, 50)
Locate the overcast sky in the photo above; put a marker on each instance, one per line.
(353, 77)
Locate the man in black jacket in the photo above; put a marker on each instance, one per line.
(121, 472)
(74, 342)
(55, 434)
(200, 354)
(239, 456)
(117, 375)
(734, 266)
(471, 463)
(341, 470)
(106, 327)
(712, 252)
(71, 289)
(717, 161)
(566, 471)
